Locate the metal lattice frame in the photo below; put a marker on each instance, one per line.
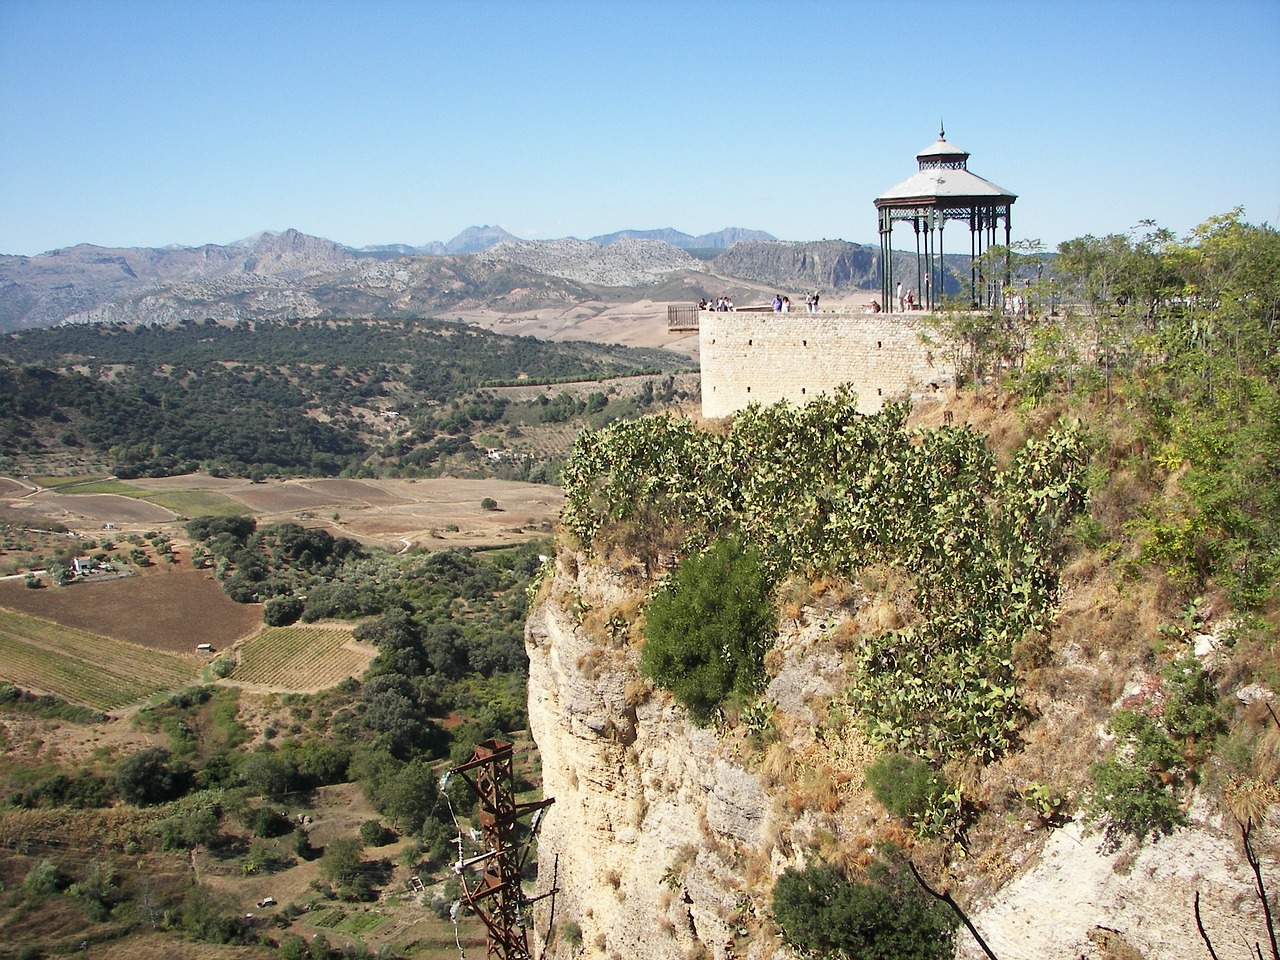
(496, 894)
(928, 221)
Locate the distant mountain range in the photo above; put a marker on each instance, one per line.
(293, 275)
(479, 239)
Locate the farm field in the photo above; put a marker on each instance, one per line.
(394, 514)
(301, 658)
(83, 667)
(166, 608)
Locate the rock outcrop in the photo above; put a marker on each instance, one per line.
(647, 808)
(665, 838)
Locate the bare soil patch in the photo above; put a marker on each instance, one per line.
(105, 508)
(12, 488)
(384, 513)
(166, 609)
(273, 498)
(375, 494)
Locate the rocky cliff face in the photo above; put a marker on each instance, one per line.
(648, 809)
(667, 837)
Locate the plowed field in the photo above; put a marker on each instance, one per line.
(165, 609)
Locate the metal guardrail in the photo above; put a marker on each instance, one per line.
(682, 317)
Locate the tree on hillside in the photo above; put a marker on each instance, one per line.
(708, 630)
(148, 777)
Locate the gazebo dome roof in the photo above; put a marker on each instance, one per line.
(941, 152)
(944, 180)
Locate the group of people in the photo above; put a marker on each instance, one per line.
(782, 304)
(907, 300)
(719, 305)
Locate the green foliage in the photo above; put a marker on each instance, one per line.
(1136, 789)
(281, 611)
(822, 489)
(907, 786)
(268, 823)
(1191, 713)
(710, 627)
(195, 828)
(374, 833)
(888, 915)
(342, 865)
(207, 916)
(488, 503)
(45, 878)
(46, 705)
(236, 400)
(268, 773)
(1133, 790)
(147, 777)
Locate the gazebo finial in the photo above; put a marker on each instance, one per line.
(942, 131)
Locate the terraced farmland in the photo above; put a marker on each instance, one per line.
(83, 667)
(301, 658)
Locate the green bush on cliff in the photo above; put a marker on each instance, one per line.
(709, 628)
(821, 911)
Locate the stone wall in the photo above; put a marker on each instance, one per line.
(766, 357)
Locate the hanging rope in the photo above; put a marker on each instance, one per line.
(456, 907)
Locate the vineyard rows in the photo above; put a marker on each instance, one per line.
(300, 658)
(82, 667)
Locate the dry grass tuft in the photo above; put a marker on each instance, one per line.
(779, 765)
(636, 692)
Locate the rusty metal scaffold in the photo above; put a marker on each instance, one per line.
(496, 894)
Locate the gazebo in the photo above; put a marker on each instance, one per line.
(943, 189)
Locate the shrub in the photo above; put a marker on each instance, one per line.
(709, 628)
(1190, 712)
(45, 878)
(488, 503)
(375, 834)
(1132, 793)
(282, 611)
(269, 823)
(888, 915)
(146, 777)
(907, 786)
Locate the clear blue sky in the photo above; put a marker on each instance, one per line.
(143, 123)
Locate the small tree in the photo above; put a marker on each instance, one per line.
(342, 865)
(888, 915)
(488, 503)
(709, 629)
(146, 777)
(281, 611)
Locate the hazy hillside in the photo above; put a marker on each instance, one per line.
(706, 241)
(301, 398)
(290, 274)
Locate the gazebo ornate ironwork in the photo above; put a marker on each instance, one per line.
(943, 189)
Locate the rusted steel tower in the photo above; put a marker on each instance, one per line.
(491, 879)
